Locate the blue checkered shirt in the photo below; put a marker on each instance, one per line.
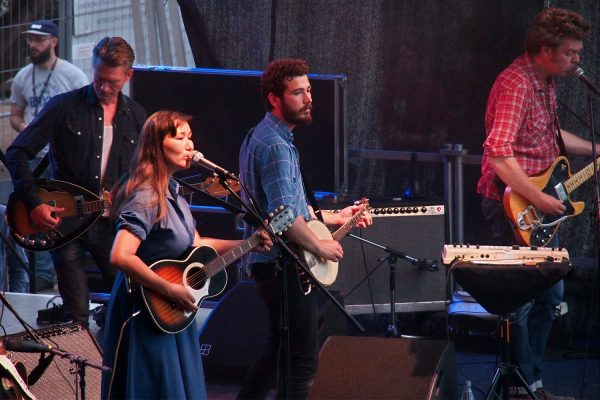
(270, 169)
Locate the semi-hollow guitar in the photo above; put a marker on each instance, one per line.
(82, 209)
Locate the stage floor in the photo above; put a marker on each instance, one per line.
(566, 371)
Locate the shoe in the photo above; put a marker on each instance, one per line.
(542, 394)
(519, 397)
(55, 314)
(99, 315)
(518, 393)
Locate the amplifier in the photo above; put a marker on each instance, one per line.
(364, 278)
(60, 380)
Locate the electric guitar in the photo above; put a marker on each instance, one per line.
(532, 227)
(326, 271)
(82, 209)
(203, 273)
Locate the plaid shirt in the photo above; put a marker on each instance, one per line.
(520, 122)
(270, 169)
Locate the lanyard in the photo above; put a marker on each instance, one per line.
(37, 99)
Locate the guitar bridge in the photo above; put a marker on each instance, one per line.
(528, 219)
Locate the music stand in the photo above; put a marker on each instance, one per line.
(501, 289)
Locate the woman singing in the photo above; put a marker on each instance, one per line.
(154, 223)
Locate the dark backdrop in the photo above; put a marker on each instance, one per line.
(419, 72)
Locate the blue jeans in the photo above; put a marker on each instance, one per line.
(69, 262)
(532, 322)
(529, 329)
(12, 262)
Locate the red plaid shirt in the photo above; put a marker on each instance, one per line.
(519, 122)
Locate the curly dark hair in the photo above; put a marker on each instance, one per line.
(551, 26)
(275, 75)
(114, 52)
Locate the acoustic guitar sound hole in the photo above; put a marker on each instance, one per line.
(196, 278)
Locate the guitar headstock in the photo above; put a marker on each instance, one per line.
(364, 203)
(281, 219)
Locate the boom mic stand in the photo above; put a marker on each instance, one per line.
(596, 209)
(391, 258)
(255, 215)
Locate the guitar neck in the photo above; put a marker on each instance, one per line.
(230, 256)
(344, 229)
(580, 177)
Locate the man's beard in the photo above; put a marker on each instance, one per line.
(296, 117)
(40, 58)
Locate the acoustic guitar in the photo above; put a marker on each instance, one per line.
(203, 273)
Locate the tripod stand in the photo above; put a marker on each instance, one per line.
(391, 258)
(501, 289)
(501, 382)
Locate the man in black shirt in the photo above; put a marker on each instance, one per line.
(92, 133)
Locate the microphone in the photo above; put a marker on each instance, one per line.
(430, 265)
(197, 158)
(578, 73)
(26, 346)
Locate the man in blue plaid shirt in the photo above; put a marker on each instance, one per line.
(270, 169)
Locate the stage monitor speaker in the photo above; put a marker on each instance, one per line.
(235, 332)
(417, 231)
(385, 368)
(60, 380)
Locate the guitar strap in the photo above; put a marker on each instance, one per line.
(41, 166)
(310, 195)
(561, 144)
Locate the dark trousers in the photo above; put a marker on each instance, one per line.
(303, 331)
(69, 263)
(532, 322)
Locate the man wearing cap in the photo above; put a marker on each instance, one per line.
(45, 77)
(35, 84)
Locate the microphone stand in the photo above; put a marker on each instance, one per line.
(256, 214)
(596, 208)
(391, 258)
(80, 363)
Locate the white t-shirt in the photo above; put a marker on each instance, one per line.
(65, 77)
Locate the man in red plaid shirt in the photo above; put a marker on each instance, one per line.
(522, 140)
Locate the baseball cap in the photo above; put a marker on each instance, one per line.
(42, 27)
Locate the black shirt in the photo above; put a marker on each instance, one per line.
(73, 124)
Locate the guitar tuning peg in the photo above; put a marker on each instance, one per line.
(271, 215)
(280, 207)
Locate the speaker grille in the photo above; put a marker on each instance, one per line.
(60, 380)
(383, 368)
(417, 231)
